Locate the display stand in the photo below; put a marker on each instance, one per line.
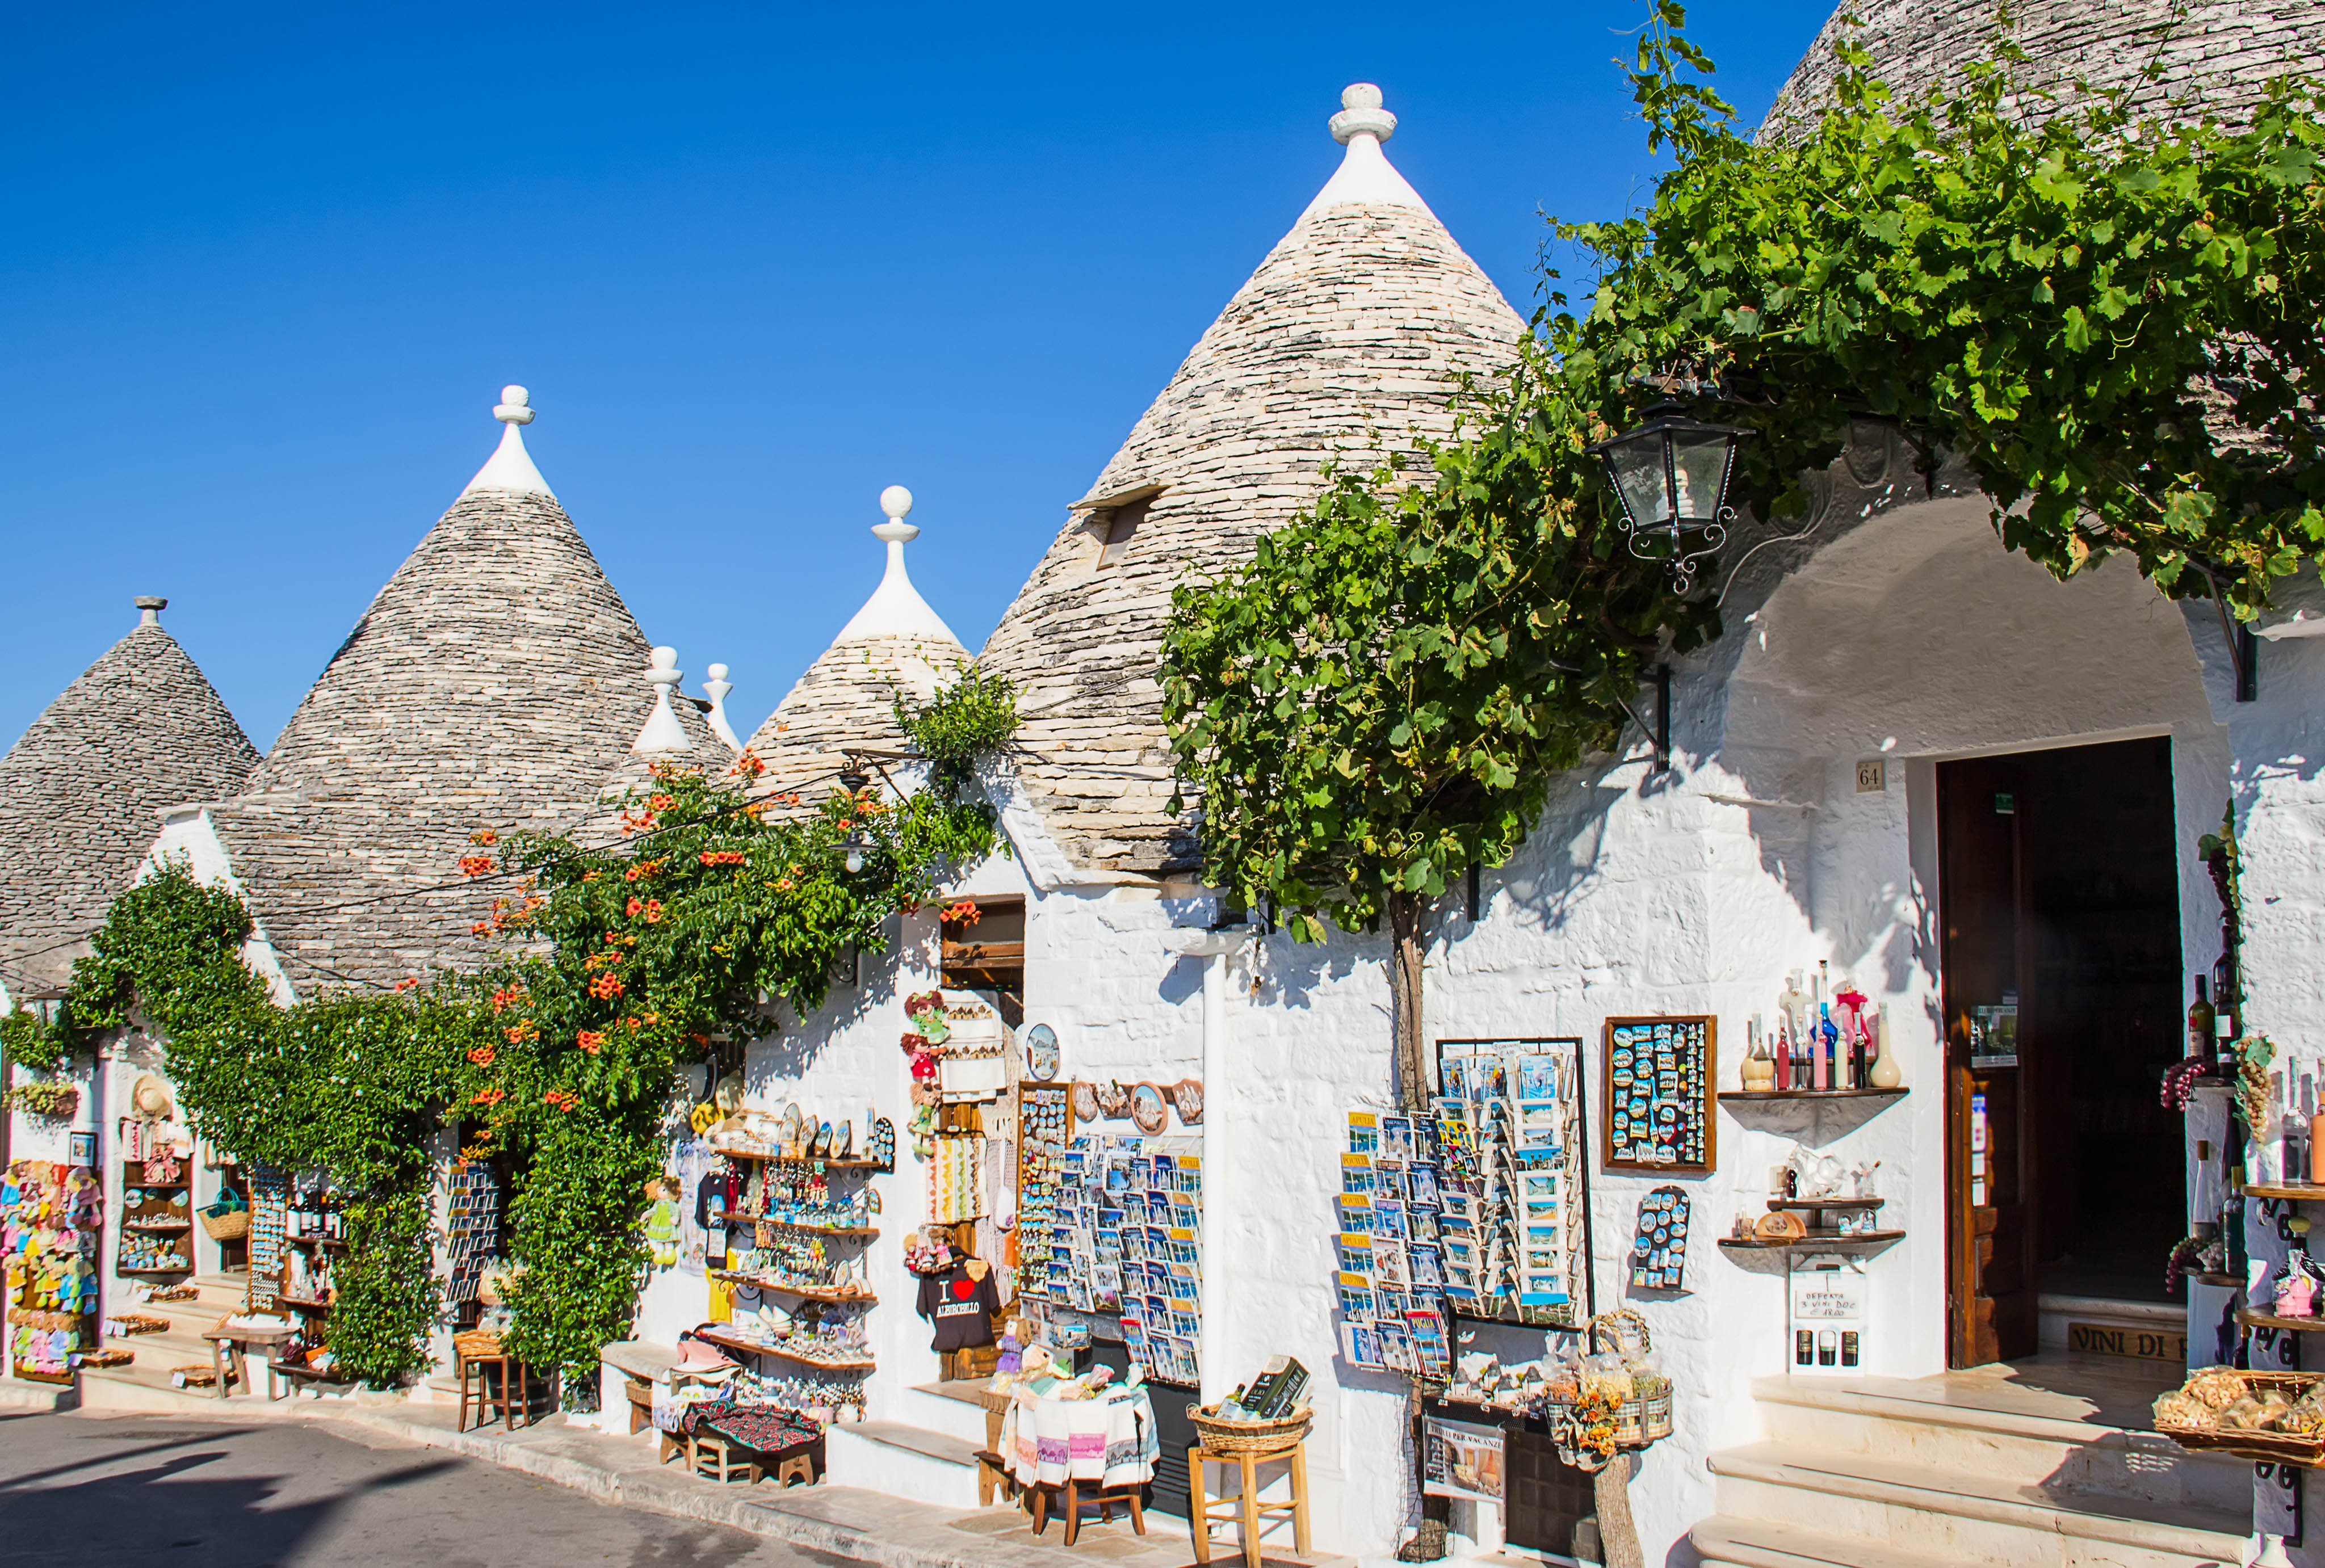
(57, 1212)
(157, 1219)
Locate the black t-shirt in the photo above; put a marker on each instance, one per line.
(962, 1309)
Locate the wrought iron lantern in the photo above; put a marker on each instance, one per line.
(1670, 476)
(856, 782)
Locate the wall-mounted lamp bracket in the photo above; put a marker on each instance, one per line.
(1658, 733)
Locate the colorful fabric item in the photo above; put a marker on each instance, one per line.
(1110, 1440)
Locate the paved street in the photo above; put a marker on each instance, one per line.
(83, 1491)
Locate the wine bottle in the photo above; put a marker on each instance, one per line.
(2200, 1023)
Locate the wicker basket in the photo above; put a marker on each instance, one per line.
(1640, 1420)
(225, 1224)
(476, 1344)
(1249, 1436)
(2260, 1447)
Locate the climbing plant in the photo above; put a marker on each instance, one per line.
(720, 904)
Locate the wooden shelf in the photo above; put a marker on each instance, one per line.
(2286, 1192)
(805, 1292)
(754, 1348)
(1777, 1204)
(1815, 1242)
(851, 1164)
(170, 1269)
(1777, 1096)
(169, 1227)
(313, 1241)
(851, 1232)
(2227, 1281)
(2252, 1319)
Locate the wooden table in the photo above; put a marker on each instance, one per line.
(227, 1359)
(1245, 1509)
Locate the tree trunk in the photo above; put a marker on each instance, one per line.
(1415, 1083)
(1618, 1533)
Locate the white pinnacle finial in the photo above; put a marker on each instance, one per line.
(716, 688)
(895, 608)
(663, 735)
(1365, 178)
(896, 533)
(510, 467)
(149, 609)
(1361, 114)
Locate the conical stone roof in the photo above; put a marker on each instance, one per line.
(82, 791)
(2221, 52)
(495, 682)
(894, 644)
(1347, 342)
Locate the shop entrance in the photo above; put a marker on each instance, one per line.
(2059, 905)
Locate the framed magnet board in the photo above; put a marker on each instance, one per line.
(1658, 1109)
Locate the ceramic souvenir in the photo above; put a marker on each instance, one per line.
(1147, 1111)
(1085, 1099)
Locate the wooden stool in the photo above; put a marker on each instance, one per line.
(799, 1466)
(722, 1459)
(641, 1396)
(1074, 1494)
(1247, 1509)
(481, 1355)
(674, 1446)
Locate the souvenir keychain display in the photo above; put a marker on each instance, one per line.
(1045, 1128)
(1661, 1073)
(49, 1219)
(1659, 1249)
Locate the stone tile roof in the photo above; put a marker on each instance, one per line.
(2220, 51)
(895, 645)
(1348, 341)
(82, 791)
(496, 681)
(848, 698)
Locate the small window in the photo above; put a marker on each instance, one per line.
(1121, 525)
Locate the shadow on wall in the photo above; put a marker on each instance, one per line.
(787, 1049)
(1916, 635)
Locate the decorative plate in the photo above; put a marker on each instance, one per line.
(1113, 1101)
(1041, 1054)
(1085, 1098)
(1148, 1114)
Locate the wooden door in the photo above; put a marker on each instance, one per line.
(1984, 823)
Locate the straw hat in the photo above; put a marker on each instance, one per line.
(151, 1098)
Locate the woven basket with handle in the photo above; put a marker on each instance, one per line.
(229, 1225)
(1249, 1436)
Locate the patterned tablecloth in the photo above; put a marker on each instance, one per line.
(767, 1428)
(1110, 1440)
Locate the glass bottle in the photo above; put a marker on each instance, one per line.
(2200, 1022)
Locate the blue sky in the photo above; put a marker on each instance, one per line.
(264, 271)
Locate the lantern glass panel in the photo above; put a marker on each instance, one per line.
(1637, 464)
(1700, 461)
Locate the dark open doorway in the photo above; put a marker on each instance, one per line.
(2059, 907)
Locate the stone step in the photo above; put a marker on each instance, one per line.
(950, 1407)
(1725, 1541)
(23, 1395)
(2096, 1442)
(901, 1460)
(1969, 1517)
(2133, 1332)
